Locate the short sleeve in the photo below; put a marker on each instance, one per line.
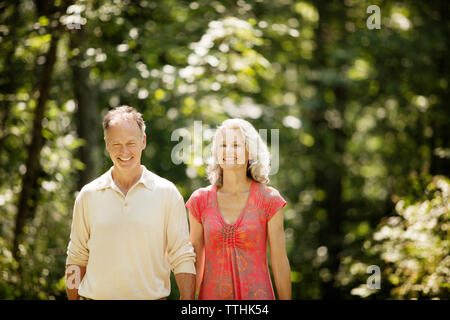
(195, 205)
(274, 202)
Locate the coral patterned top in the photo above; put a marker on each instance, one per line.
(236, 254)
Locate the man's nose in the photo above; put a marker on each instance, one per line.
(124, 149)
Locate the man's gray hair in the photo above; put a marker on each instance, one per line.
(124, 112)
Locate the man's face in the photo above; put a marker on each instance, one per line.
(124, 143)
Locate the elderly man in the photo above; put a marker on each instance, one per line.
(129, 225)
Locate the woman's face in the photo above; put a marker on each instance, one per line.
(231, 152)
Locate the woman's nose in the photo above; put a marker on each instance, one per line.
(230, 149)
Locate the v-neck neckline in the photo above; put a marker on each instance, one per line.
(239, 218)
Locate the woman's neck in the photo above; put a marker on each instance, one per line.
(235, 181)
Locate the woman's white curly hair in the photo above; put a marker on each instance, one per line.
(258, 166)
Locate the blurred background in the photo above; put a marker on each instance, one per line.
(362, 113)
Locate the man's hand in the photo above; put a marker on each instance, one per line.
(186, 285)
(74, 276)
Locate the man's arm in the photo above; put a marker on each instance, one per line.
(186, 285)
(180, 252)
(74, 276)
(77, 250)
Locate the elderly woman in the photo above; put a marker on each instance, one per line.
(232, 219)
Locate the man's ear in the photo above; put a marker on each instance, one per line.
(144, 141)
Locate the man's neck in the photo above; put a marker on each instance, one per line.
(126, 179)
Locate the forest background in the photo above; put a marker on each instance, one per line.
(355, 90)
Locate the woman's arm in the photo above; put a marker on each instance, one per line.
(196, 238)
(278, 256)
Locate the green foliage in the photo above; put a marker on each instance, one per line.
(42, 253)
(413, 248)
(9, 268)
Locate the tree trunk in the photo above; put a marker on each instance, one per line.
(329, 172)
(9, 80)
(26, 205)
(88, 118)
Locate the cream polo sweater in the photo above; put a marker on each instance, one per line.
(130, 243)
